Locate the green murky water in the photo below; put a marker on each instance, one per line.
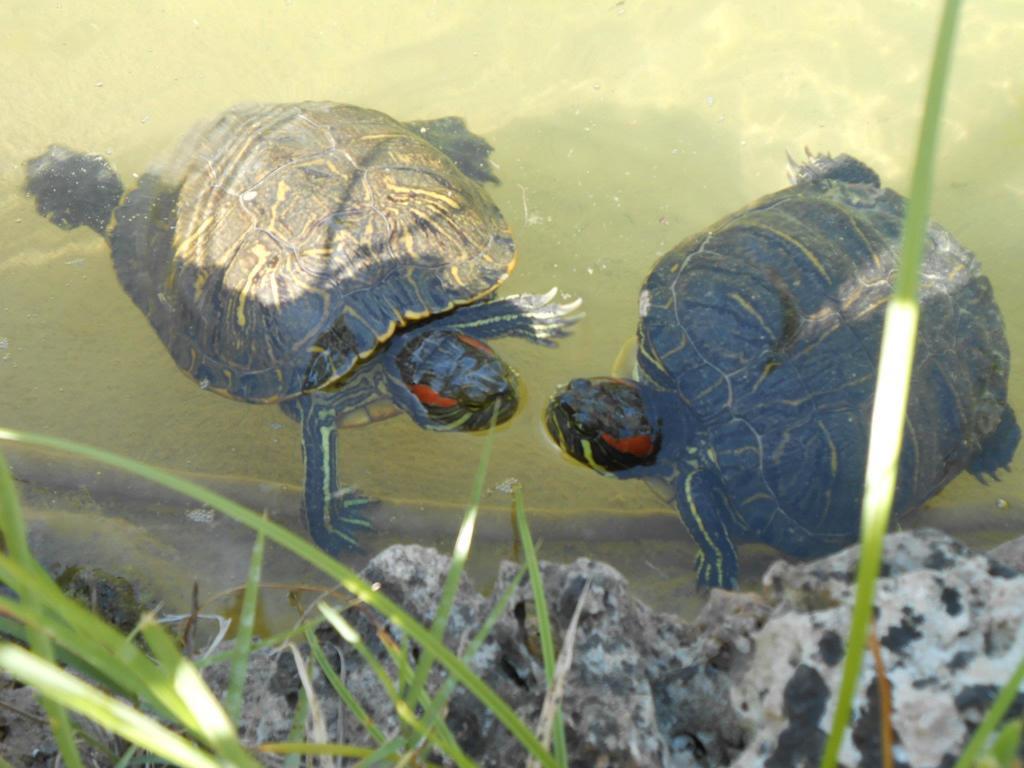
(619, 128)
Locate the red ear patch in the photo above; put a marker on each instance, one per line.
(430, 397)
(640, 446)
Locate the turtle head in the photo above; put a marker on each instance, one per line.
(601, 422)
(72, 189)
(453, 381)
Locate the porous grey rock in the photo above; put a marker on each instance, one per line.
(1010, 553)
(751, 682)
(644, 689)
(950, 625)
(411, 576)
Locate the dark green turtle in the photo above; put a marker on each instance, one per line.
(757, 352)
(321, 256)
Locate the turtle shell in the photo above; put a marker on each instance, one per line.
(764, 332)
(281, 244)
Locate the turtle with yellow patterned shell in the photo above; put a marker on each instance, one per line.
(324, 257)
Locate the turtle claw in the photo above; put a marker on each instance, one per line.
(711, 575)
(345, 521)
(822, 165)
(535, 317)
(997, 449)
(351, 503)
(792, 169)
(547, 320)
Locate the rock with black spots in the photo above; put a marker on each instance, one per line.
(950, 627)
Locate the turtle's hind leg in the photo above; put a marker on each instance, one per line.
(997, 449)
(72, 188)
(824, 166)
(471, 153)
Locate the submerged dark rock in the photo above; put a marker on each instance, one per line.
(110, 595)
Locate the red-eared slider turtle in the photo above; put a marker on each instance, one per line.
(321, 256)
(758, 342)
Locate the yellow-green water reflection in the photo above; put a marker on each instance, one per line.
(619, 128)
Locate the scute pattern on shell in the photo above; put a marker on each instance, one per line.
(282, 243)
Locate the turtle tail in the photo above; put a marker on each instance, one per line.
(72, 188)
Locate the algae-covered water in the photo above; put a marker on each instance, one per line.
(619, 129)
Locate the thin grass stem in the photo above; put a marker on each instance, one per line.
(461, 552)
(1004, 700)
(243, 635)
(12, 527)
(893, 384)
(547, 641)
(320, 560)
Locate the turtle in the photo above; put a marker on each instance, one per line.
(757, 348)
(323, 257)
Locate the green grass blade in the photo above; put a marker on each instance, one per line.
(334, 750)
(338, 572)
(459, 555)
(298, 729)
(433, 711)
(243, 636)
(385, 753)
(1006, 745)
(271, 641)
(127, 757)
(547, 641)
(105, 710)
(437, 731)
(399, 655)
(211, 722)
(12, 526)
(404, 708)
(1004, 699)
(95, 645)
(893, 385)
(341, 690)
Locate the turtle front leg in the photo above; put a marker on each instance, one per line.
(536, 317)
(703, 512)
(334, 513)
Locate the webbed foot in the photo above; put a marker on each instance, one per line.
(711, 574)
(546, 319)
(337, 527)
(824, 166)
(997, 449)
(535, 317)
(471, 153)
